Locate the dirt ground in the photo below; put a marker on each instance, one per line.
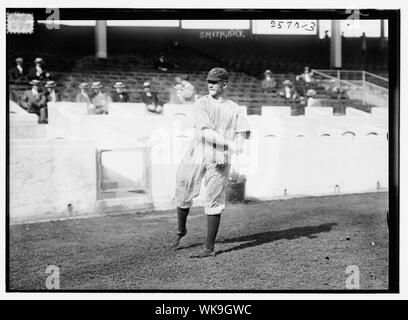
(297, 244)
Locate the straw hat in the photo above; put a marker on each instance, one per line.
(50, 84)
(96, 85)
(119, 85)
(83, 85)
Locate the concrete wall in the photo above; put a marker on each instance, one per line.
(286, 156)
(24, 125)
(47, 175)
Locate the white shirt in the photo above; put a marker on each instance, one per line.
(39, 70)
(287, 92)
(53, 96)
(35, 93)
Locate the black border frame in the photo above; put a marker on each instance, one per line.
(394, 39)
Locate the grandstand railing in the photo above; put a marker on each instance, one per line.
(359, 84)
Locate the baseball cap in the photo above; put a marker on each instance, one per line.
(217, 74)
(146, 84)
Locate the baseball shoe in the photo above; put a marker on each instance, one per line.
(203, 253)
(175, 244)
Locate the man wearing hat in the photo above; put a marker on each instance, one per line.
(38, 72)
(185, 89)
(100, 100)
(177, 95)
(120, 95)
(287, 91)
(220, 131)
(268, 83)
(51, 95)
(150, 99)
(18, 73)
(311, 101)
(34, 101)
(83, 96)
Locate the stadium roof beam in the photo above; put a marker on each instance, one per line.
(101, 51)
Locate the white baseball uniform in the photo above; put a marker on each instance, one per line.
(201, 158)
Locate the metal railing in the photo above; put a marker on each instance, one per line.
(362, 85)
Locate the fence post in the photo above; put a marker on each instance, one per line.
(338, 78)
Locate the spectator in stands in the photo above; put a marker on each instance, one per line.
(363, 42)
(120, 95)
(162, 64)
(311, 101)
(13, 96)
(38, 72)
(287, 92)
(51, 95)
(174, 46)
(268, 83)
(34, 101)
(184, 91)
(18, 73)
(306, 76)
(100, 99)
(83, 95)
(364, 46)
(176, 95)
(150, 99)
(334, 90)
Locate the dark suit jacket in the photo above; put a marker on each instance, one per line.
(122, 97)
(48, 97)
(153, 99)
(15, 75)
(32, 74)
(32, 104)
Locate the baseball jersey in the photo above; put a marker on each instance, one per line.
(223, 116)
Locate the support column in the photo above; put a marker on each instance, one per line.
(335, 45)
(382, 35)
(101, 39)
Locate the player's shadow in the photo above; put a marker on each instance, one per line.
(270, 236)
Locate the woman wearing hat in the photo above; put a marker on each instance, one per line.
(120, 95)
(100, 100)
(83, 96)
(34, 101)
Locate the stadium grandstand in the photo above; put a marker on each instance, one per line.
(69, 54)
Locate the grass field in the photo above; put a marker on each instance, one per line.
(300, 244)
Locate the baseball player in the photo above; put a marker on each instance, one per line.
(220, 131)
